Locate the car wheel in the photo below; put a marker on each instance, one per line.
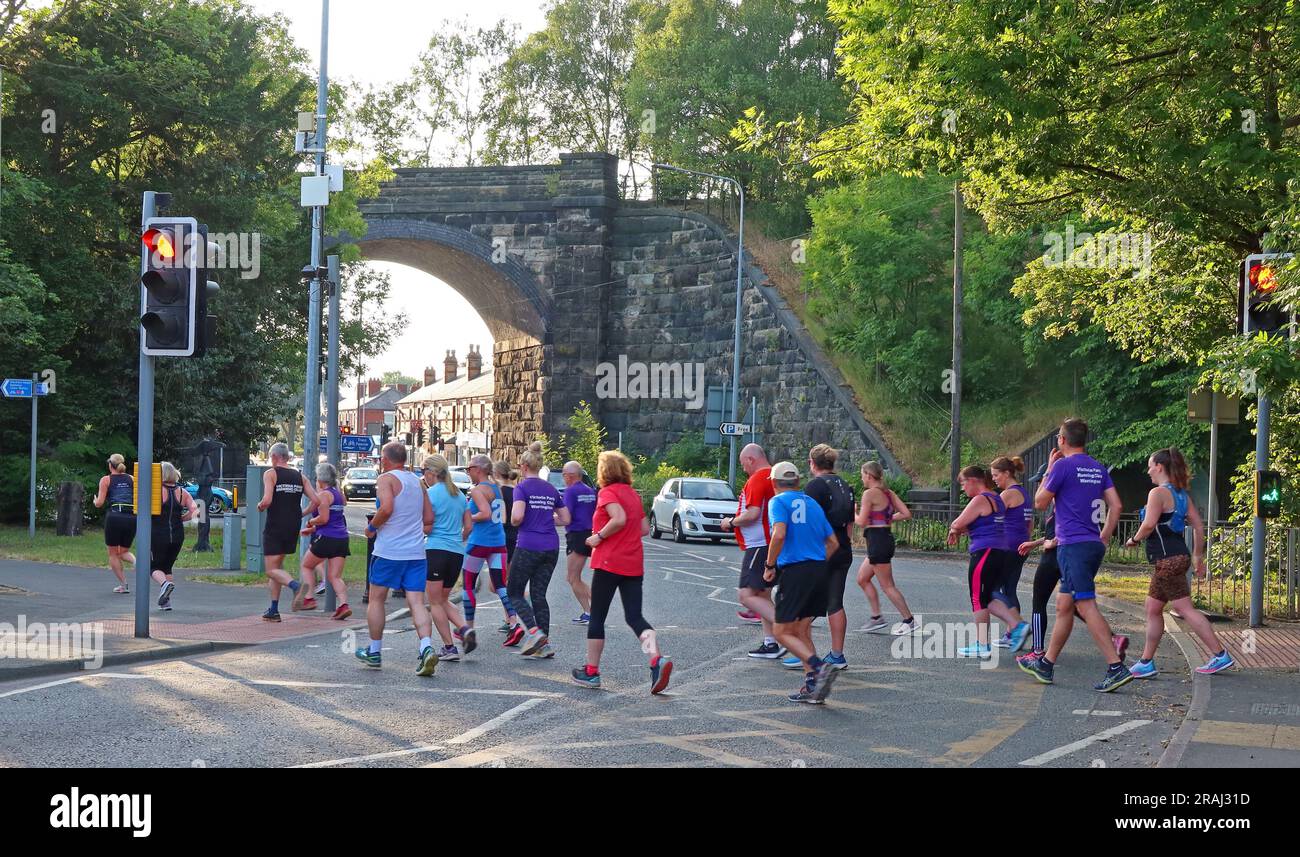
(215, 506)
(678, 535)
(654, 528)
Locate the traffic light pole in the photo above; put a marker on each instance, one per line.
(144, 487)
(1259, 543)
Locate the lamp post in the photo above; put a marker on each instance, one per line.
(740, 272)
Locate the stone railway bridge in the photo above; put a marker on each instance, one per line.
(567, 276)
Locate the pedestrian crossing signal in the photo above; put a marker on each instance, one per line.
(1268, 494)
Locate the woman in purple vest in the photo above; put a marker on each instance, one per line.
(984, 520)
(329, 543)
(1019, 529)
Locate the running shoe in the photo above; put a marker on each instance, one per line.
(505, 628)
(166, 606)
(979, 650)
(584, 619)
(792, 663)
(298, 596)
(909, 627)
(1020, 633)
(320, 588)
(307, 604)
(875, 623)
(121, 590)
(1121, 644)
(1113, 680)
(806, 693)
(750, 617)
(512, 639)
(661, 669)
(428, 662)
(271, 616)
(543, 653)
(1218, 663)
(374, 660)
(1034, 665)
(166, 594)
(343, 612)
(826, 675)
(532, 641)
(449, 653)
(839, 662)
(768, 651)
(471, 640)
(1003, 642)
(1144, 669)
(580, 676)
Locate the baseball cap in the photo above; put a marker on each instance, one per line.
(784, 471)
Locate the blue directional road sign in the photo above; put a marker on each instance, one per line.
(733, 429)
(350, 443)
(17, 388)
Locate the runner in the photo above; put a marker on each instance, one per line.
(880, 508)
(444, 551)
(1168, 511)
(282, 490)
(752, 531)
(329, 543)
(400, 527)
(802, 541)
(1085, 497)
(168, 532)
(117, 489)
(618, 566)
(506, 477)
(984, 518)
(536, 511)
(1018, 528)
(580, 500)
(487, 546)
(835, 497)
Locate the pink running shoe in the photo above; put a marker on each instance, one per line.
(749, 617)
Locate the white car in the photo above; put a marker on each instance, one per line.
(461, 477)
(693, 508)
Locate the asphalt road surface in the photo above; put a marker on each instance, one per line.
(309, 702)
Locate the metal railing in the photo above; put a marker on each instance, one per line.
(1225, 589)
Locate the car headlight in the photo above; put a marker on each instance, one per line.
(688, 509)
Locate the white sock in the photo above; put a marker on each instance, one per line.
(376, 646)
(426, 642)
(769, 641)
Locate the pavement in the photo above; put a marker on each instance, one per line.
(896, 706)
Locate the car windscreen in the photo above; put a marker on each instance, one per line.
(363, 474)
(706, 491)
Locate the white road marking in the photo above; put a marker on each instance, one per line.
(393, 754)
(72, 680)
(1052, 755)
(697, 556)
(691, 573)
(1086, 711)
(478, 731)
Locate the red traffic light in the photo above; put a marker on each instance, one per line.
(159, 243)
(1263, 278)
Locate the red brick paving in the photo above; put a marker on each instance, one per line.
(1274, 648)
(245, 629)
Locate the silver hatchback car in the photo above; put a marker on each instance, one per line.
(693, 508)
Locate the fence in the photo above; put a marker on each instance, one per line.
(1225, 589)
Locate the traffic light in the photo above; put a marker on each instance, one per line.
(1256, 307)
(345, 429)
(419, 435)
(1268, 494)
(385, 433)
(169, 287)
(207, 289)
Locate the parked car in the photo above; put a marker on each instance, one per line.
(461, 477)
(222, 500)
(693, 509)
(359, 482)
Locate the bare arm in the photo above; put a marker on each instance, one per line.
(563, 517)
(1198, 537)
(1113, 509)
(268, 490)
(309, 490)
(428, 513)
(1154, 509)
(645, 526)
(482, 505)
(384, 488)
(774, 546)
(966, 518)
(901, 512)
(466, 525)
(189, 505)
(102, 497)
(517, 512)
(832, 545)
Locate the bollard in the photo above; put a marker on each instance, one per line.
(232, 538)
(370, 558)
(254, 561)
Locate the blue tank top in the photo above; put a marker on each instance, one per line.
(1020, 521)
(121, 493)
(492, 532)
(988, 531)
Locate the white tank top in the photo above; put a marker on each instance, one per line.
(402, 535)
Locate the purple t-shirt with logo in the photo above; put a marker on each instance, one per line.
(580, 500)
(1079, 483)
(337, 526)
(540, 499)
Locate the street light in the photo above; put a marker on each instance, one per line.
(740, 271)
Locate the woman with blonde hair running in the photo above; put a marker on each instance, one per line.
(444, 551)
(879, 509)
(117, 489)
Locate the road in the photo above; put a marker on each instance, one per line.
(307, 701)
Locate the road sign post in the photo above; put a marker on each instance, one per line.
(1215, 408)
(21, 388)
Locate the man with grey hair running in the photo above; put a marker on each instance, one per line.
(399, 528)
(282, 492)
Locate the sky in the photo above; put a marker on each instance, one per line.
(376, 42)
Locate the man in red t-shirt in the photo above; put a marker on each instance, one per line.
(752, 534)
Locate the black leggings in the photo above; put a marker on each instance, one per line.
(1045, 580)
(532, 570)
(603, 586)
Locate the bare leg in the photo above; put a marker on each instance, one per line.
(839, 622)
(438, 610)
(276, 577)
(334, 572)
(1099, 628)
(1155, 626)
(1199, 624)
(885, 571)
(115, 563)
(760, 602)
(375, 613)
(581, 591)
(419, 614)
(1064, 625)
(595, 648)
(308, 571)
(866, 571)
(790, 635)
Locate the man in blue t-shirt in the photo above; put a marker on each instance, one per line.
(801, 541)
(580, 500)
(1087, 513)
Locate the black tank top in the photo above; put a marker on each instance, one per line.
(170, 519)
(285, 512)
(121, 493)
(508, 497)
